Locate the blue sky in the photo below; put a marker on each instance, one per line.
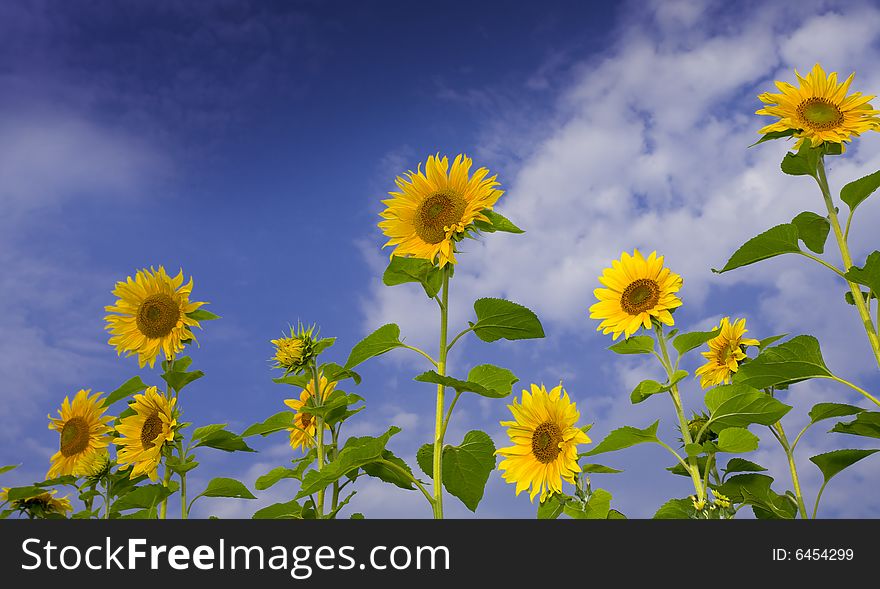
(250, 144)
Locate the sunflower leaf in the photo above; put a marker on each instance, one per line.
(276, 423)
(202, 315)
(742, 465)
(869, 274)
(800, 358)
(599, 469)
(382, 340)
(388, 470)
(866, 423)
(638, 344)
(178, 380)
(738, 405)
(774, 135)
(854, 193)
(813, 230)
(130, 387)
(647, 388)
(625, 437)
(676, 509)
(552, 506)
(226, 487)
(335, 373)
(497, 222)
(425, 459)
(402, 270)
(143, 497)
(278, 473)
(466, 467)
(8, 467)
(832, 463)
(596, 508)
(485, 380)
(686, 342)
(736, 439)
(289, 510)
(822, 411)
(754, 489)
(502, 319)
(778, 240)
(225, 440)
(803, 163)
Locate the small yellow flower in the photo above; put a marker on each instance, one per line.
(819, 110)
(698, 505)
(302, 435)
(434, 208)
(545, 442)
(636, 291)
(84, 433)
(721, 500)
(143, 435)
(726, 352)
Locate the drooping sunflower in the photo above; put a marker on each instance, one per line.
(302, 434)
(39, 505)
(84, 433)
(637, 289)
(151, 315)
(819, 109)
(433, 208)
(726, 351)
(545, 442)
(143, 434)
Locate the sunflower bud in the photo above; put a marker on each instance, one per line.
(295, 353)
(695, 426)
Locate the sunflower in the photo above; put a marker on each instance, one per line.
(39, 505)
(725, 353)
(294, 353)
(84, 432)
(545, 442)
(433, 209)
(819, 110)
(637, 291)
(302, 434)
(144, 434)
(152, 315)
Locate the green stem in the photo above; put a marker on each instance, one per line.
(439, 428)
(831, 267)
(862, 391)
(184, 512)
(449, 414)
(792, 467)
(106, 497)
(163, 507)
(335, 434)
(408, 475)
(818, 497)
(422, 352)
(319, 433)
(456, 338)
(693, 464)
(856, 290)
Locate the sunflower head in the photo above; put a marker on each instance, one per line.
(302, 434)
(819, 110)
(637, 291)
(545, 439)
(726, 353)
(40, 506)
(432, 210)
(695, 425)
(151, 315)
(143, 436)
(295, 353)
(83, 434)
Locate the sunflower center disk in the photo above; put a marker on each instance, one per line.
(639, 296)
(439, 210)
(157, 315)
(819, 113)
(545, 442)
(151, 430)
(306, 420)
(74, 436)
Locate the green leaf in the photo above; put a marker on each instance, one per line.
(693, 449)
(822, 411)
(676, 509)
(143, 497)
(383, 472)
(16, 493)
(289, 510)
(226, 487)
(869, 274)
(380, 341)
(738, 405)
(202, 315)
(501, 319)
(812, 230)
(8, 467)
(599, 469)
(614, 514)
(625, 437)
(802, 163)
(425, 459)
(130, 387)
(742, 465)
(178, 380)
(858, 190)
(335, 373)
(500, 379)
(206, 430)
(831, 463)
(866, 423)
(273, 476)
(278, 422)
(754, 489)
(357, 452)
(639, 344)
(736, 439)
(866, 296)
(226, 441)
(774, 135)
(552, 506)
(596, 508)
(688, 341)
(175, 464)
(403, 270)
(299, 381)
(793, 361)
(678, 469)
(646, 388)
(466, 467)
(782, 239)
(770, 340)
(497, 222)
